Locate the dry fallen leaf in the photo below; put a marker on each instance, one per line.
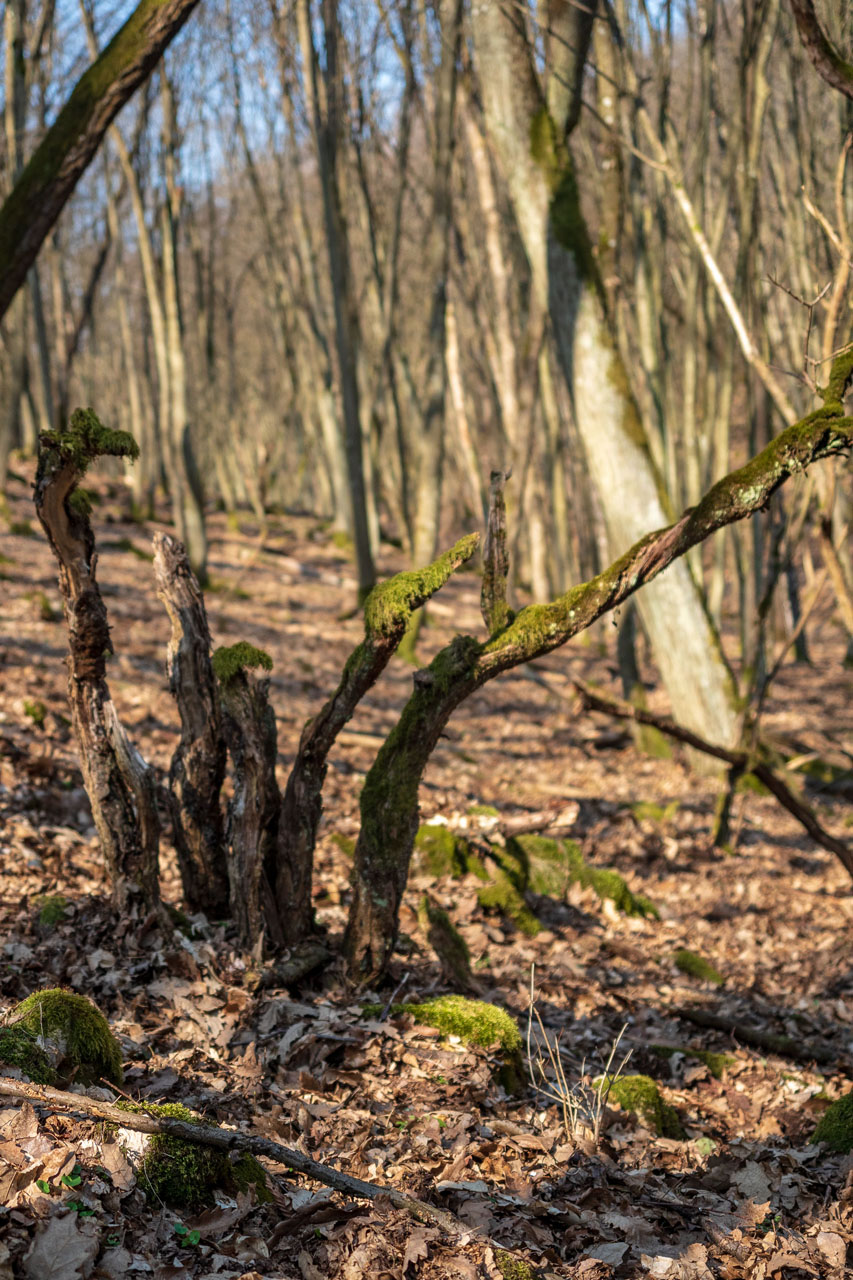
(63, 1249)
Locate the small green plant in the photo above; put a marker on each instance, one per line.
(648, 811)
(696, 966)
(35, 711)
(22, 529)
(51, 909)
(187, 1238)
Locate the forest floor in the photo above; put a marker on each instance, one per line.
(743, 1194)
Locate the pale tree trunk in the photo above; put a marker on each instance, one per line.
(325, 103)
(531, 146)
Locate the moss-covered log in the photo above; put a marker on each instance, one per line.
(198, 763)
(387, 612)
(39, 195)
(118, 781)
(389, 799)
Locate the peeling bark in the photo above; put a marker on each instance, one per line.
(198, 764)
(118, 782)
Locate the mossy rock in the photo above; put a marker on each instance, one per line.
(696, 966)
(447, 942)
(185, 1175)
(474, 1021)
(835, 1126)
(502, 895)
(717, 1063)
(76, 1030)
(439, 851)
(641, 1096)
(19, 1048)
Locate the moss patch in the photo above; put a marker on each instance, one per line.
(439, 851)
(502, 895)
(36, 711)
(696, 966)
(229, 660)
(835, 1126)
(717, 1063)
(185, 1175)
(85, 439)
(512, 1268)
(78, 1029)
(640, 1095)
(19, 1048)
(51, 909)
(473, 1021)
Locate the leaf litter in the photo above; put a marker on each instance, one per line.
(742, 1194)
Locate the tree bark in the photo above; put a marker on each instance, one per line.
(389, 798)
(386, 616)
(118, 782)
(530, 143)
(198, 764)
(67, 149)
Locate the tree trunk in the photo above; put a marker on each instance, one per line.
(119, 784)
(198, 764)
(69, 146)
(531, 146)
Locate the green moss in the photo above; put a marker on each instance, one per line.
(695, 966)
(22, 529)
(439, 851)
(389, 604)
(85, 439)
(229, 660)
(78, 1028)
(19, 1048)
(512, 1268)
(647, 811)
(185, 1175)
(473, 1021)
(51, 908)
(747, 783)
(483, 811)
(80, 502)
(503, 896)
(346, 844)
(546, 864)
(342, 540)
(446, 941)
(608, 884)
(717, 1063)
(36, 711)
(835, 1126)
(640, 1095)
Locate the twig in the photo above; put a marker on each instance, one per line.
(783, 793)
(493, 605)
(230, 1140)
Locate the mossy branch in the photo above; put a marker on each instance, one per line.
(387, 612)
(389, 799)
(61, 158)
(230, 1140)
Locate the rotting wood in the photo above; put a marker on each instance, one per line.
(198, 763)
(797, 1049)
(118, 781)
(493, 603)
(739, 760)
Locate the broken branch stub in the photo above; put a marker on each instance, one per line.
(253, 812)
(493, 604)
(198, 763)
(118, 781)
